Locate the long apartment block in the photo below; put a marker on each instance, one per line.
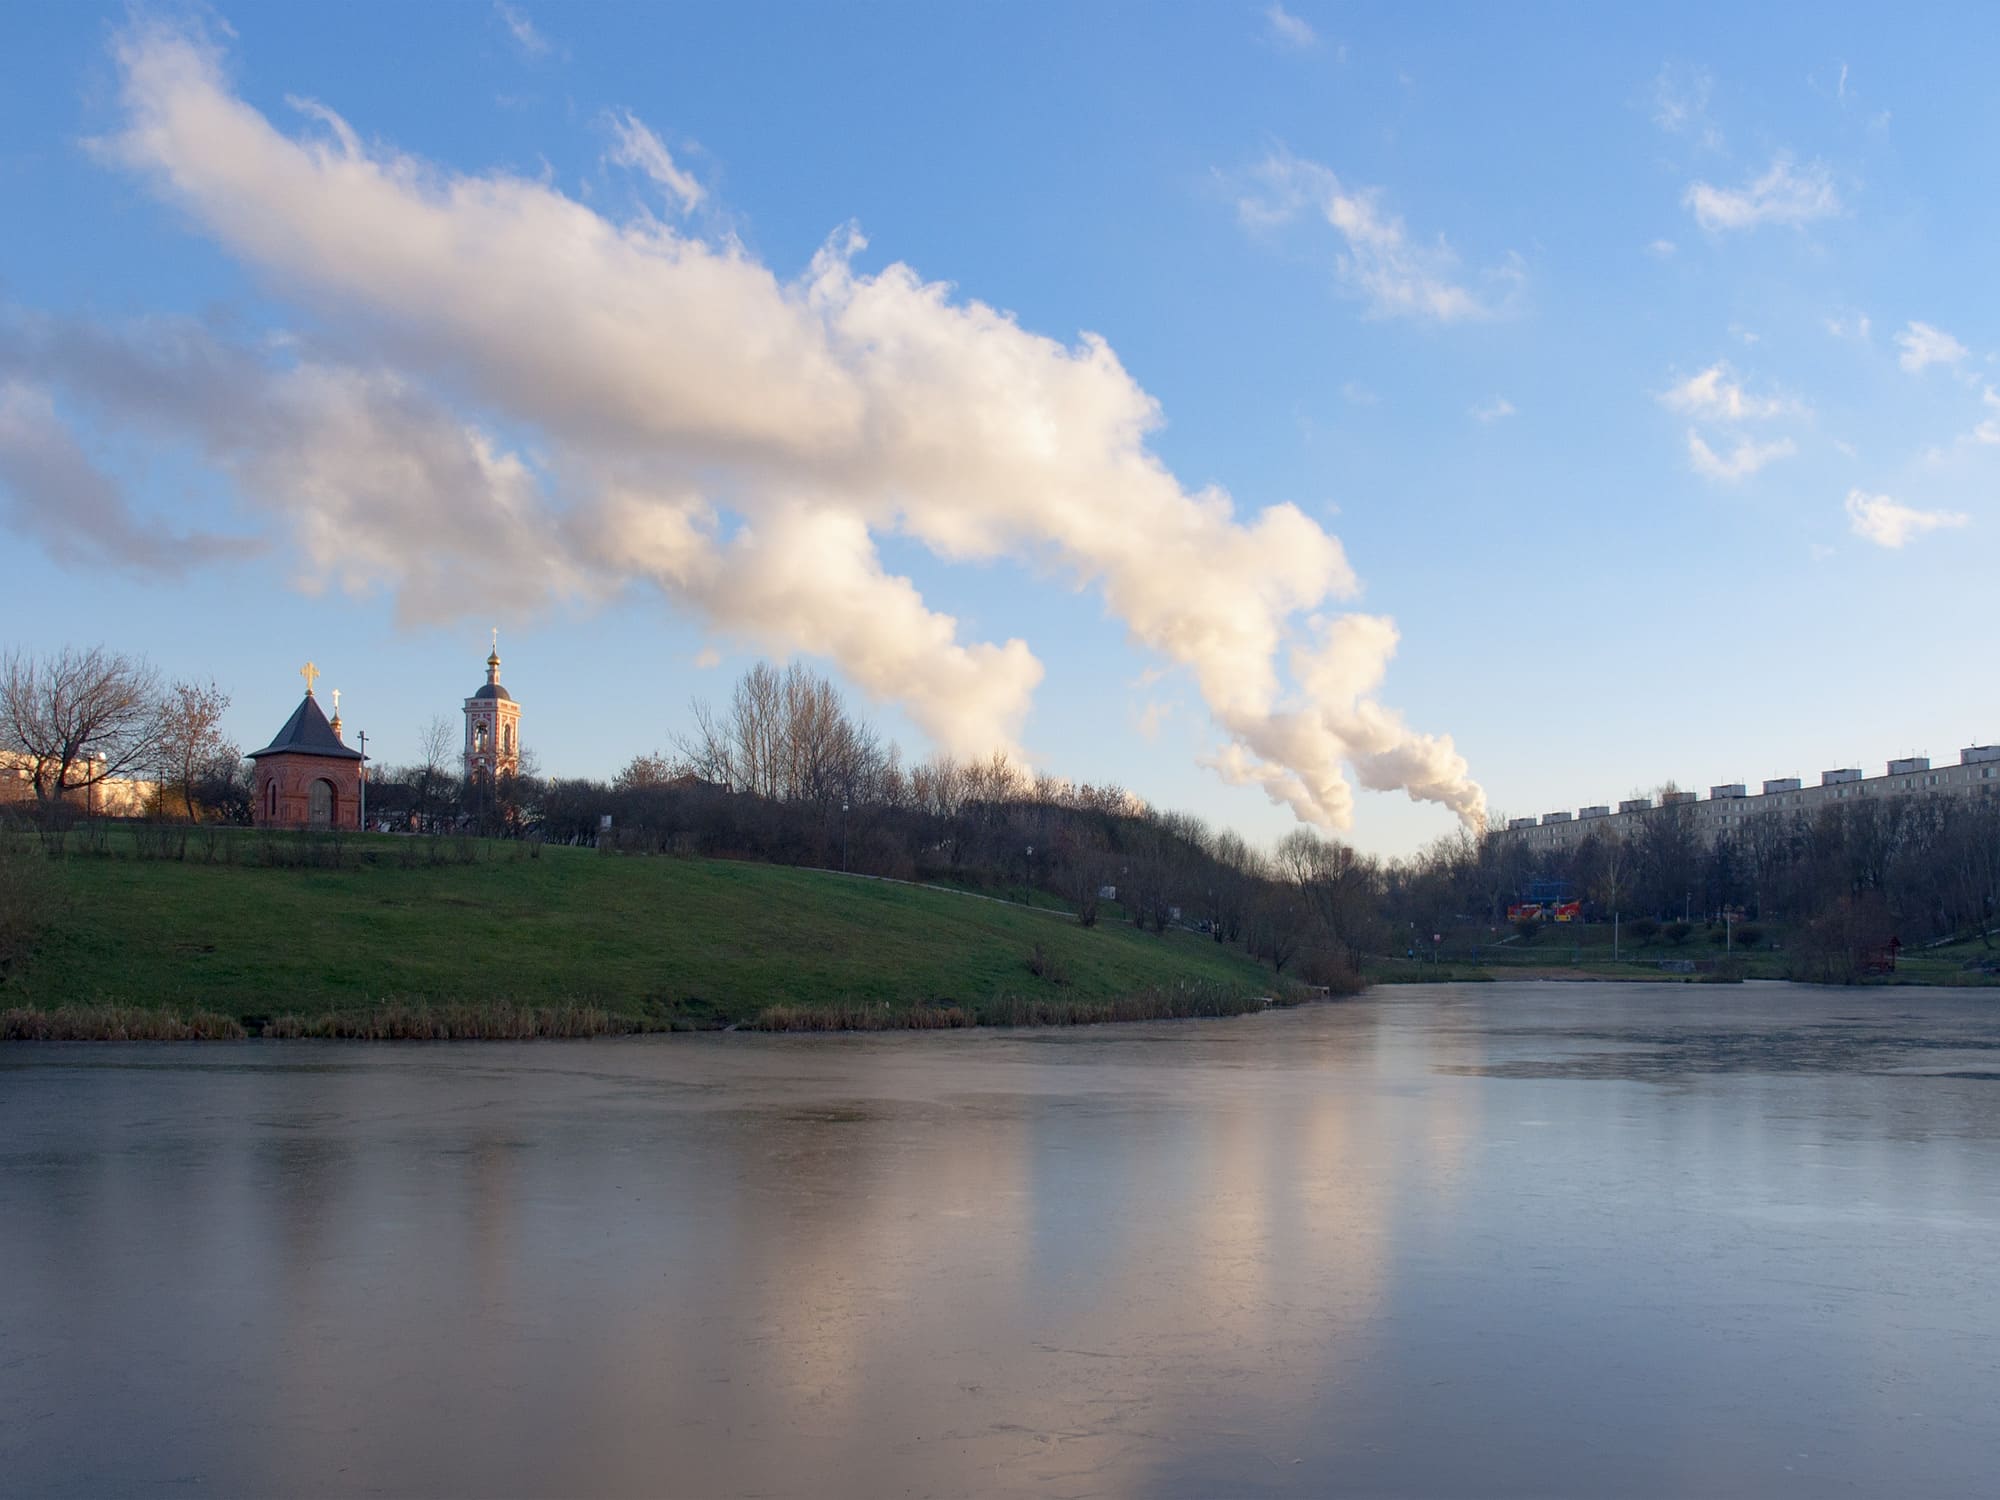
(1727, 808)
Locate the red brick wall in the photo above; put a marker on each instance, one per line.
(284, 790)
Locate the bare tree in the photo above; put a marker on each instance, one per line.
(434, 742)
(787, 737)
(190, 737)
(646, 773)
(1275, 927)
(1336, 887)
(78, 716)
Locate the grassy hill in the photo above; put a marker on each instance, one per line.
(404, 938)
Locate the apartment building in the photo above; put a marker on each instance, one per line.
(1728, 807)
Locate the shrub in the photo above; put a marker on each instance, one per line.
(1045, 965)
(1644, 930)
(1678, 932)
(1328, 969)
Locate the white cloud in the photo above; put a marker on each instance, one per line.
(1493, 409)
(1289, 29)
(1680, 105)
(1715, 396)
(1357, 394)
(1988, 431)
(1781, 196)
(740, 440)
(377, 482)
(1887, 523)
(1742, 461)
(1662, 249)
(531, 42)
(1923, 345)
(1379, 262)
(50, 489)
(1856, 327)
(638, 148)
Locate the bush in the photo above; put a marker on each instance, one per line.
(159, 838)
(1748, 936)
(1678, 932)
(1527, 927)
(1644, 930)
(1045, 965)
(1328, 969)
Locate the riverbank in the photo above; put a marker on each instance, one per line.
(1583, 954)
(393, 938)
(402, 1022)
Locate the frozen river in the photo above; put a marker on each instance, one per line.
(1475, 1240)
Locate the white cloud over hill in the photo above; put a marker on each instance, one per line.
(532, 395)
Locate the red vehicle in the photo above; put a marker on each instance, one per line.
(1545, 911)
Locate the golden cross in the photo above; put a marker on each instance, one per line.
(496, 637)
(336, 700)
(309, 672)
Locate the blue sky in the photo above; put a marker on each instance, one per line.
(1641, 367)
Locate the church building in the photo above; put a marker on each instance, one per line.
(306, 778)
(492, 727)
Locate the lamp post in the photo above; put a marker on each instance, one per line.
(843, 835)
(362, 735)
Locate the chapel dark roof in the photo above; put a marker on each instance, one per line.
(494, 690)
(306, 732)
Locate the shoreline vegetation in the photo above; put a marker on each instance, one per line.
(420, 1022)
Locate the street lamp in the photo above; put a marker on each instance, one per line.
(843, 835)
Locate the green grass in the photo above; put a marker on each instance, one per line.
(649, 942)
(1585, 950)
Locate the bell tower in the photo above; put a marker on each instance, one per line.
(492, 726)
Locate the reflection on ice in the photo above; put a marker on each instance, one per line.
(1497, 1239)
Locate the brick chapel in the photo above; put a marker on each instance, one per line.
(306, 778)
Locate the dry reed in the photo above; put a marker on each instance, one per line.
(115, 1023)
(399, 1022)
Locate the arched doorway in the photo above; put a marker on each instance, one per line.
(321, 803)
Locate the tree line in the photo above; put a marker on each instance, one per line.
(1845, 877)
(785, 771)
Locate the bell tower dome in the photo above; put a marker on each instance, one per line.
(492, 726)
